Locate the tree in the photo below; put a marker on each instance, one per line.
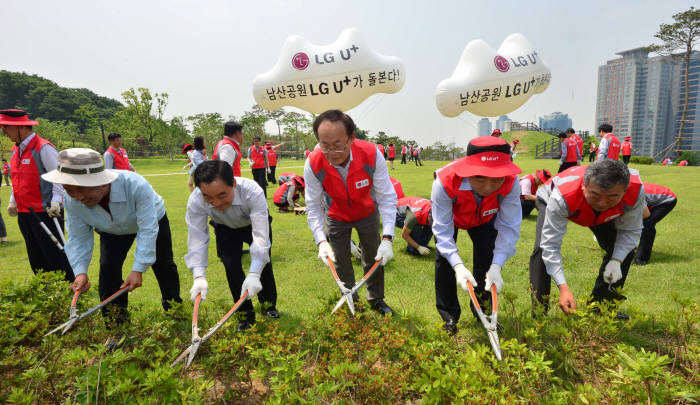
(145, 109)
(86, 116)
(210, 126)
(683, 34)
(277, 116)
(253, 123)
(172, 135)
(297, 126)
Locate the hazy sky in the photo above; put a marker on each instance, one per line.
(205, 54)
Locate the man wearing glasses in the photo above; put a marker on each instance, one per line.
(352, 177)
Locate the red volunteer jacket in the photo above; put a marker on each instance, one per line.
(571, 151)
(579, 143)
(392, 152)
(271, 157)
(419, 206)
(30, 190)
(397, 187)
(656, 194)
(5, 168)
(257, 155)
(626, 148)
(121, 159)
(613, 146)
(237, 162)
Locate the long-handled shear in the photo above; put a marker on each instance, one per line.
(490, 322)
(347, 294)
(196, 340)
(46, 229)
(73, 310)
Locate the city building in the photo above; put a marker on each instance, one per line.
(501, 122)
(484, 127)
(556, 120)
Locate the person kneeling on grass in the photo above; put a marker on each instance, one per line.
(238, 213)
(606, 197)
(528, 189)
(288, 193)
(413, 217)
(120, 206)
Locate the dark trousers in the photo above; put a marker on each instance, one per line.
(229, 247)
(42, 252)
(271, 176)
(339, 237)
(483, 241)
(417, 160)
(646, 241)
(259, 177)
(403, 158)
(113, 251)
(527, 206)
(540, 281)
(7, 179)
(3, 230)
(422, 235)
(626, 159)
(591, 156)
(566, 165)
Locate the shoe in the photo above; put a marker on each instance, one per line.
(450, 327)
(271, 313)
(244, 325)
(622, 316)
(640, 262)
(114, 342)
(381, 307)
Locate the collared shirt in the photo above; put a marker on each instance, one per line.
(196, 158)
(603, 146)
(49, 158)
(109, 160)
(525, 186)
(134, 207)
(227, 153)
(382, 193)
(248, 207)
(629, 229)
(507, 223)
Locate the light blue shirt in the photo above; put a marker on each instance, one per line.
(135, 208)
(507, 223)
(197, 157)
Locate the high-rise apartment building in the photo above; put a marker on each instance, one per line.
(484, 127)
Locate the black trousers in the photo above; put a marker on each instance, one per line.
(403, 158)
(417, 160)
(646, 241)
(566, 165)
(422, 235)
(7, 179)
(229, 246)
(259, 177)
(271, 176)
(540, 281)
(3, 230)
(113, 251)
(591, 156)
(42, 252)
(626, 159)
(483, 241)
(527, 206)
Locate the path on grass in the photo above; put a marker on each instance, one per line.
(245, 170)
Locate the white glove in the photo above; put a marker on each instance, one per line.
(268, 170)
(493, 276)
(385, 252)
(200, 286)
(612, 272)
(12, 209)
(325, 253)
(355, 250)
(462, 274)
(252, 284)
(423, 250)
(54, 210)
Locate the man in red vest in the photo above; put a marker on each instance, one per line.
(478, 193)
(528, 188)
(627, 150)
(228, 148)
(257, 157)
(569, 153)
(31, 157)
(403, 154)
(609, 147)
(683, 163)
(391, 151)
(579, 142)
(658, 202)
(592, 152)
(307, 152)
(288, 193)
(416, 155)
(413, 217)
(115, 156)
(604, 196)
(350, 175)
(6, 172)
(272, 160)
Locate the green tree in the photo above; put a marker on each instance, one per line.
(297, 126)
(277, 116)
(87, 116)
(253, 123)
(145, 109)
(63, 134)
(210, 126)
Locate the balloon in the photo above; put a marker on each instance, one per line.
(490, 83)
(318, 78)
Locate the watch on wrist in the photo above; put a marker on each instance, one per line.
(391, 238)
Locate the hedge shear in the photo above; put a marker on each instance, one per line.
(348, 293)
(74, 317)
(196, 340)
(490, 322)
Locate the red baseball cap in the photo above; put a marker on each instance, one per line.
(186, 147)
(487, 156)
(543, 175)
(496, 132)
(15, 117)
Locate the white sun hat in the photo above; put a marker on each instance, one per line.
(80, 167)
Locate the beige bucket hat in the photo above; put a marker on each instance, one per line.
(80, 167)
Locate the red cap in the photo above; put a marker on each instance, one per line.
(628, 138)
(516, 141)
(186, 147)
(496, 132)
(543, 175)
(487, 156)
(15, 117)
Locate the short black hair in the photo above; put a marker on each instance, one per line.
(231, 127)
(256, 138)
(198, 142)
(562, 135)
(607, 128)
(211, 170)
(570, 131)
(335, 116)
(113, 136)
(4, 160)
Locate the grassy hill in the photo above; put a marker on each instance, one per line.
(528, 140)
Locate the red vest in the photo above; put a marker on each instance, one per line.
(237, 163)
(306, 154)
(257, 156)
(351, 200)
(392, 152)
(533, 185)
(397, 187)
(282, 192)
(121, 159)
(419, 206)
(467, 213)
(613, 146)
(580, 212)
(626, 148)
(381, 149)
(5, 168)
(571, 151)
(683, 163)
(415, 151)
(591, 148)
(403, 149)
(272, 157)
(29, 189)
(656, 194)
(579, 143)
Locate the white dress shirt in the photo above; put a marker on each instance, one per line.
(49, 158)
(525, 185)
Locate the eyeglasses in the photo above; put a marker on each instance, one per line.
(337, 149)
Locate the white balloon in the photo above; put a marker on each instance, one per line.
(489, 82)
(318, 78)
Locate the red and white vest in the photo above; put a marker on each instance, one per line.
(29, 189)
(5, 168)
(420, 207)
(403, 149)
(579, 143)
(257, 155)
(350, 200)
(121, 159)
(392, 152)
(656, 194)
(281, 192)
(533, 185)
(571, 151)
(271, 157)
(397, 187)
(306, 154)
(467, 213)
(613, 146)
(580, 212)
(237, 163)
(381, 148)
(626, 148)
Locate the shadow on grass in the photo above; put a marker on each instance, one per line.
(665, 257)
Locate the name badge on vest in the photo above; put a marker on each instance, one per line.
(489, 212)
(611, 217)
(362, 183)
(26, 161)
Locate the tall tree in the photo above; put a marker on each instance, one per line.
(682, 35)
(210, 126)
(146, 109)
(297, 126)
(253, 123)
(277, 116)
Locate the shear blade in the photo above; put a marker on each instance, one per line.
(339, 304)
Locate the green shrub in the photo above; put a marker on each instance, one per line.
(642, 160)
(693, 158)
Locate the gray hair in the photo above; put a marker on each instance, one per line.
(607, 173)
